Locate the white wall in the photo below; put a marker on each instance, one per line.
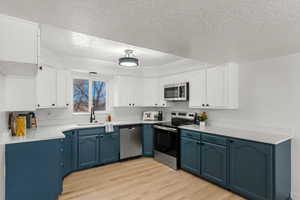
(269, 98)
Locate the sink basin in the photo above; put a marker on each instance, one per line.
(91, 124)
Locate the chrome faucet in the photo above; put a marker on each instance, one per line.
(93, 116)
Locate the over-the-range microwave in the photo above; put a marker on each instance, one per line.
(176, 92)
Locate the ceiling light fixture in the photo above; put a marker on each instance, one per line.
(128, 60)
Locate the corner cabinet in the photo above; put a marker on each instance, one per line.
(38, 163)
(19, 40)
(254, 170)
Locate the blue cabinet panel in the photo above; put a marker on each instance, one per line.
(68, 153)
(214, 163)
(33, 170)
(88, 148)
(109, 148)
(251, 169)
(190, 155)
(148, 134)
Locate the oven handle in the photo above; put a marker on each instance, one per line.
(165, 128)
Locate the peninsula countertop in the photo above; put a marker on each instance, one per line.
(263, 137)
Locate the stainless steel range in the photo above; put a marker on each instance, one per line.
(167, 138)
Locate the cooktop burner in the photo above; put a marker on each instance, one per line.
(180, 119)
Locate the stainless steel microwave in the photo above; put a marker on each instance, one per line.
(176, 92)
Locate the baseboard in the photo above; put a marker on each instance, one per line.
(295, 196)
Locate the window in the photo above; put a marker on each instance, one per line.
(84, 97)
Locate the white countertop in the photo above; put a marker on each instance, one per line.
(56, 132)
(269, 138)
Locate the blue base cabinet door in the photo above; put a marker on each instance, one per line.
(190, 155)
(68, 153)
(33, 170)
(214, 163)
(251, 169)
(109, 148)
(148, 134)
(88, 148)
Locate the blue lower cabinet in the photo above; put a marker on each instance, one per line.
(214, 163)
(33, 170)
(68, 153)
(190, 155)
(109, 148)
(148, 134)
(251, 169)
(88, 151)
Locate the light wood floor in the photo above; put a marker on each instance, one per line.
(140, 179)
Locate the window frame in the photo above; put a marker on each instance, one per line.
(90, 80)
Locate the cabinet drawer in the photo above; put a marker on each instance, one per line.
(191, 134)
(214, 139)
(91, 131)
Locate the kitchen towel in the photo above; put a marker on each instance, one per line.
(109, 127)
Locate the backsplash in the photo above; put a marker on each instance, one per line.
(65, 116)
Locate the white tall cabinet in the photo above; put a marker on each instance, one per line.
(19, 40)
(53, 88)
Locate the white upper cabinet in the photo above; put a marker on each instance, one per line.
(63, 92)
(53, 88)
(46, 87)
(20, 93)
(19, 40)
(137, 92)
(151, 92)
(128, 91)
(215, 88)
(197, 90)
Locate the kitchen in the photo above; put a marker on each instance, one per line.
(246, 149)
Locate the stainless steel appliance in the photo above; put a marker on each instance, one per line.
(130, 141)
(152, 115)
(167, 138)
(176, 92)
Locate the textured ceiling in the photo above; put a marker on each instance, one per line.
(70, 43)
(209, 30)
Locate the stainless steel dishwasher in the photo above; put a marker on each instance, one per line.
(130, 141)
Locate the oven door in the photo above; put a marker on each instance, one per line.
(166, 140)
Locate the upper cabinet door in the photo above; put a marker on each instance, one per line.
(19, 40)
(63, 88)
(150, 92)
(128, 91)
(46, 87)
(215, 87)
(198, 89)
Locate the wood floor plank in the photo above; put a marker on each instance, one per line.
(140, 179)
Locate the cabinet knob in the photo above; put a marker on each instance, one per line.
(130, 104)
(53, 104)
(207, 105)
(203, 105)
(231, 141)
(38, 105)
(67, 104)
(198, 143)
(40, 68)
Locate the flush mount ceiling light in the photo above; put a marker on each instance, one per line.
(128, 60)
